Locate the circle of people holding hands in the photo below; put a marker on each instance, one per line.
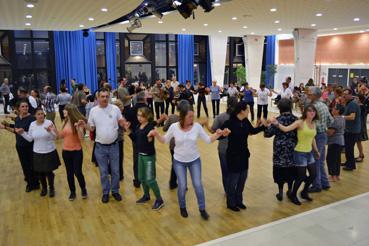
(330, 115)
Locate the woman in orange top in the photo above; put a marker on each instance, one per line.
(72, 149)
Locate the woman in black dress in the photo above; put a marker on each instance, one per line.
(364, 106)
(283, 162)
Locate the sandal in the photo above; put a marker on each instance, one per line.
(359, 159)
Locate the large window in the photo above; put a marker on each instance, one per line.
(235, 58)
(200, 53)
(100, 57)
(165, 56)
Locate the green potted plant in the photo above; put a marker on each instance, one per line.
(241, 74)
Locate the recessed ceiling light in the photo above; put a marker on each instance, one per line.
(183, 29)
(220, 31)
(30, 5)
(91, 19)
(234, 18)
(104, 10)
(28, 24)
(81, 26)
(273, 10)
(252, 33)
(362, 31)
(206, 24)
(276, 22)
(29, 16)
(244, 27)
(357, 19)
(319, 14)
(335, 28)
(279, 29)
(313, 25)
(216, 4)
(160, 22)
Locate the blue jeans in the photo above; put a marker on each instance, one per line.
(224, 168)
(105, 156)
(235, 185)
(321, 180)
(195, 170)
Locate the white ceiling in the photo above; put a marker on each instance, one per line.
(61, 14)
(255, 14)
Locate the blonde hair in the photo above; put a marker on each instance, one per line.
(146, 113)
(118, 103)
(73, 116)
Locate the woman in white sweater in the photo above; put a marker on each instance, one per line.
(45, 156)
(186, 154)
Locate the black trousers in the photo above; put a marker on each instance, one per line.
(350, 140)
(235, 185)
(50, 179)
(201, 99)
(215, 106)
(61, 108)
(25, 155)
(135, 161)
(6, 103)
(262, 109)
(173, 176)
(150, 103)
(121, 158)
(159, 109)
(251, 105)
(73, 164)
(334, 159)
(169, 102)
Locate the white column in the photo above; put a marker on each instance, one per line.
(254, 49)
(305, 47)
(218, 52)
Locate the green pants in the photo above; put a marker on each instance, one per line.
(147, 174)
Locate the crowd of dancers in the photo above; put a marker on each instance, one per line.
(330, 115)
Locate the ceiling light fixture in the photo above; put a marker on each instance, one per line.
(276, 22)
(244, 27)
(29, 16)
(151, 9)
(160, 22)
(183, 29)
(313, 25)
(135, 23)
(28, 24)
(273, 10)
(91, 19)
(252, 33)
(104, 10)
(234, 18)
(30, 5)
(220, 31)
(81, 26)
(279, 29)
(319, 14)
(335, 28)
(356, 19)
(206, 24)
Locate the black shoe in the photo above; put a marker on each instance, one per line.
(234, 209)
(279, 197)
(241, 206)
(28, 188)
(105, 198)
(326, 187)
(314, 190)
(43, 192)
(348, 169)
(184, 213)
(173, 186)
(204, 214)
(84, 194)
(143, 200)
(51, 193)
(294, 200)
(72, 196)
(117, 197)
(305, 195)
(158, 204)
(288, 194)
(136, 183)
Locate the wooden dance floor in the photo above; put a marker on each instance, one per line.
(28, 219)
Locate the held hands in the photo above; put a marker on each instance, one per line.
(50, 128)
(226, 132)
(2, 126)
(19, 130)
(163, 117)
(274, 121)
(80, 123)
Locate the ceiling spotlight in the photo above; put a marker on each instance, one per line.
(206, 24)
(30, 5)
(207, 5)
(313, 25)
(81, 26)
(220, 31)
(357, 19)
(279, 29)
(151, 9)
(335, 28)
(28, 24)
(186, 8)
(273, 10)
(183, 29)
(276, 22)
(234, 18)
(244, 27)
(91, 19)
(252, 33)
(319, 14)
(104, 10)
(29, 16)
(160, 22)
(135, 23)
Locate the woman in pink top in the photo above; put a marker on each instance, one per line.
(72, 149)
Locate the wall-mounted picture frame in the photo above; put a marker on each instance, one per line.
(136, 48)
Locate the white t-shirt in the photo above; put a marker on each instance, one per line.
(286, 93)
(105, 120)
(175, 84)
(32, 101)
(186, 149)
(232, 91)
(263, 96)
(43, 141)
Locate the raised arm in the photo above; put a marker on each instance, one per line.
(295, 125)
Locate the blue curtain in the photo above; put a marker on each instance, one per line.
(208, 65)
(269, 59)
(75, 58)
(111, 60)
(186, 47)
